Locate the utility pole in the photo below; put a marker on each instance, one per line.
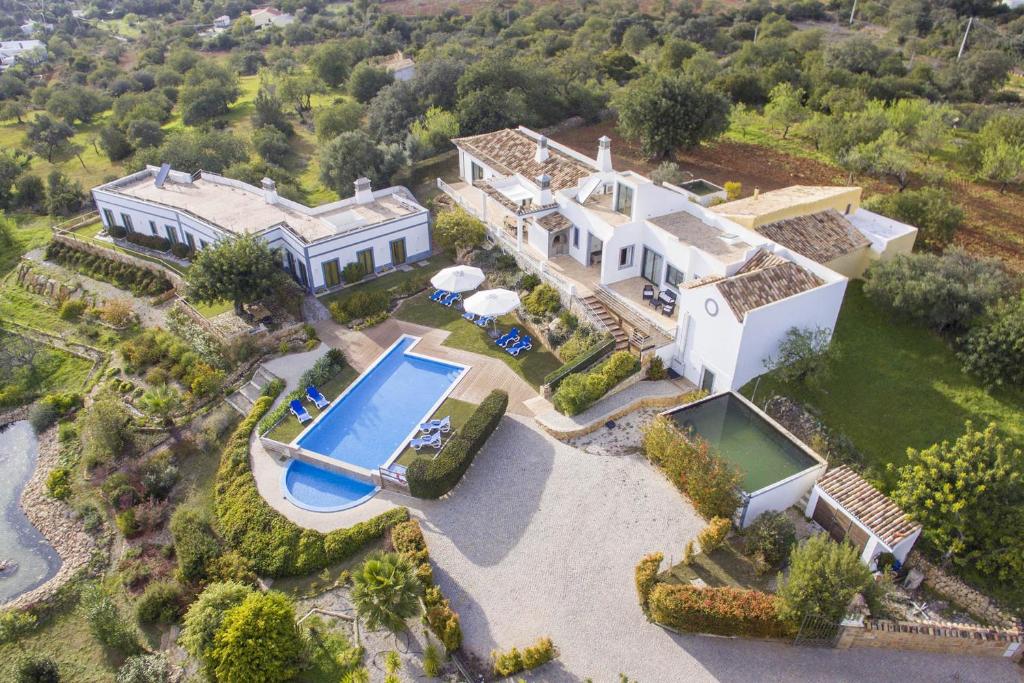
(963, 43)
(853, 11)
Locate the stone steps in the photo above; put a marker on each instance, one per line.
(602, 313)
(243, 399)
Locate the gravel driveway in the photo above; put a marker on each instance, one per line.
(541, 538)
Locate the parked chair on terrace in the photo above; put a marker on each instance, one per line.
(648, 292)
(299, 411)
(668, 308)
(432, 441)
(656, 301)
(314, 395)
(443, 425)
(507, 338)
(470, 317)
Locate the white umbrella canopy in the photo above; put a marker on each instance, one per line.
(492, 302)
(458, 278)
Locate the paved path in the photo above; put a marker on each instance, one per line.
(362, 348)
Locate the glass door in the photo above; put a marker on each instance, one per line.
(398, 252)
(365, 258)
(652, 266)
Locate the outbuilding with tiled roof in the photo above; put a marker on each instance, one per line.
(849, 508)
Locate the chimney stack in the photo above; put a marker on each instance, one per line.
(757, 193)
(604, 154)
(364, 194)
(269, 190)
(544, 182)
(542, 153)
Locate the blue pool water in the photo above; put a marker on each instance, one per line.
(368, 424)
(316, 489)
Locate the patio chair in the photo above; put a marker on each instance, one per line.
(451, 299)
(443, 425)
(668, 308)
(655, 301)
(469, 316)
(507, 338)
(433, 441)
(314, 395)
(438, 295)
(648, 292)
(485, 320)
(299, 411)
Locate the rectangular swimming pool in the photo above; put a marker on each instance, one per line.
(371, 422)
(763, 454)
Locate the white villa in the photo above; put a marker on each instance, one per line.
(712, 294)
(380, 229)
(31, 51)
(270, 16)
(398, 65)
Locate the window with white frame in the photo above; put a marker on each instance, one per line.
(626, 257)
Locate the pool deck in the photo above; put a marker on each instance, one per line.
(364, 347)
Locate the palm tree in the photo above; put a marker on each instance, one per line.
(160, 401)
(386, 592)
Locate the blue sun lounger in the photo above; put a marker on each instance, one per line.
(438, 295)
(524, 344)
(316, 397)
(451, 299)
(485, 320)
(299, 411)
(510, 336)
(471, 317)
(433, 441)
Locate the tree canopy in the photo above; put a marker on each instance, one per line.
(242, 270)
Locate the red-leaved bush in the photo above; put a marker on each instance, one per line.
(724, 611)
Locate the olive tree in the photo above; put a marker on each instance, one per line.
(242, 270)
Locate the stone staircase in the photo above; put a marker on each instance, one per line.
(243, 399)
(608, 320)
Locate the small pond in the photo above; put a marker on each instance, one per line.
(30, 559)
(701, 187)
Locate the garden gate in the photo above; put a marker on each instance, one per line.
(817, 631)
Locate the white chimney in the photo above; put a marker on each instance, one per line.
(757, 193)
(604, 154)
(542, 154)
(364, 195)
(269, 190)
(544, 182)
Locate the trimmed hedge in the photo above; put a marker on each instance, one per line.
(646, 577)
(155, 242)
(513, 661)
(724, 611)
(276, 546)
(578, 392)
(434, 478)
(140, 281)
(407, 539)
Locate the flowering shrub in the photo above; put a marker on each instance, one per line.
(513, 661)
(646, 576)
(724, 611)
(713, 535)
(579, 391)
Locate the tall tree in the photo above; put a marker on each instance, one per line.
(969, 496)
(48, 136)
(258, 641)
(785, 107)
(664, 113)
(331, 62)
(204, 617)
(353, 155)
(242, 270)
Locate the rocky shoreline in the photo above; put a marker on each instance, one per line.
(54, 519)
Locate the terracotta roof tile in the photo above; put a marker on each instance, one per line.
(764, 279)
(554, 222)
(870, 506)
(510, 151)
(822, 236)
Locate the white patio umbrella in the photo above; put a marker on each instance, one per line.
(492, 302)
(458, 278)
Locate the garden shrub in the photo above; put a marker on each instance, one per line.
(106, 622)
(138, 280)
(529, 282)
(38, 670)
(994, 348)
(724, 611)
(206, 380)
(127, 524)
(646, 576)
(158, 476)
(155, 242)
(436, 477)
(360, 305)
(52, 407)
(353, 272)
(145, 669)
(160, 603)
(711, 483)
(770, 538)
(407, 539)
(544, 299)
(275, 545)
(713, 535)
(72, 309)
(195, 544)
(656, 369)
(579, 391)
(823, 578)
(117, 312)
(181, 250)
(204, 618)
(58, 483)
(513, 661)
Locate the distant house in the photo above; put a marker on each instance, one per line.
(270, 16)
(379, 229)
(30, 51)
(401, 67)
(826, 224)
(31, 26)
(222, 22)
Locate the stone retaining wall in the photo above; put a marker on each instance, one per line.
(176, 280)
(977, 604)
(933, 637)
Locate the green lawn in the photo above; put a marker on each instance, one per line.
(212, 310)
(458, 411)
(389, 280)
(725, 566)
(533, 366)
(289, 428)
(29, 232)
(64, 637)
(24, 308)
(896, 385)
(56, 370)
